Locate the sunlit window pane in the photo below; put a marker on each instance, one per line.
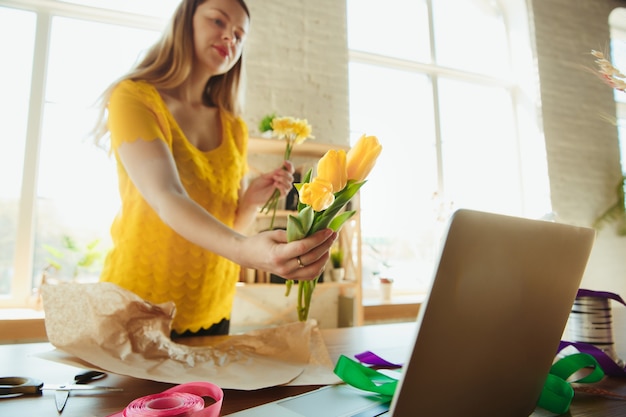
(480, 155)
(86, 56)
(471, 35)
(77, 189)
(397, 206)
(156, 8)
(617, 19)
(15, 77)
(618, 58)
(395, 28)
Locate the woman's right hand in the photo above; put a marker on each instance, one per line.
(303, 259)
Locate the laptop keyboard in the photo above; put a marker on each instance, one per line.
(378, 411)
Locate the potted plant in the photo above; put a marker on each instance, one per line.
(72, 261)
(338, 272)
(68, 262)
(265, 125)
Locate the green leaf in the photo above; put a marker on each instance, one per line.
(616, 212)
(308, 175)
(265, 124)
(341, 199)
(92, 245)
(339, 220)
(295, 230)
(54, 264)
(70, 244)
(306, 216)
(89, 259)
(53, 251)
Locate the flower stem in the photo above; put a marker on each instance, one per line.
(272, 203)
(305, 294)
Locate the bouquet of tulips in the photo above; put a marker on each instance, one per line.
(323, 197)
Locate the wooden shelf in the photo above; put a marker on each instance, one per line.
(22, 326)
(390, 312)
(309, 148)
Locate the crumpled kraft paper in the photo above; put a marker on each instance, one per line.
(115, 330)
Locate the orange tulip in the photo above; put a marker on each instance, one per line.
(362, 157)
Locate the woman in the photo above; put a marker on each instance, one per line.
(180, 144)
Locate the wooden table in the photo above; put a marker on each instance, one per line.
(388, 340)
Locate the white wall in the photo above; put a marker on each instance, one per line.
(297, 65)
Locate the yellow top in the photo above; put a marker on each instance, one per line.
(148, 257)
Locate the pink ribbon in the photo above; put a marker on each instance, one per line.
(185, 400)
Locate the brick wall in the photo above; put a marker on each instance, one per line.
(297, 64)
(581, 141)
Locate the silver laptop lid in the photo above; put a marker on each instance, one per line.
(494, 316)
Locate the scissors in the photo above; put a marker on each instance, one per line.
(17, 385)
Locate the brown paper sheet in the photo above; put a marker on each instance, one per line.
(112, 329)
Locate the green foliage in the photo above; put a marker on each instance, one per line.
(72, 256)
(265, 125)
(336, 257)
(615, 213)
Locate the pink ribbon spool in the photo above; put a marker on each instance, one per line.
(185, 400)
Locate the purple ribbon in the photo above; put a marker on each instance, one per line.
(370, 358)
(600, 294)
(607, 364)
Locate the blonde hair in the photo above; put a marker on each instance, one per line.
(167, 64)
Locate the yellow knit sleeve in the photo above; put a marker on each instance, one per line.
(134, 113)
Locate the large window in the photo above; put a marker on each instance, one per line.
(437, 81)
(58, 195)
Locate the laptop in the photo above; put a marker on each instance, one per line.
(488, 331)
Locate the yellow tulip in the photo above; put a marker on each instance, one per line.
(332, 168)
(362, 157)
(318, 194)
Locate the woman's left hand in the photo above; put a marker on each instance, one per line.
(261, 188)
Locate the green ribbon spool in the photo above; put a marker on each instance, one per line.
(365, 378)
(556, 396)
(557, 393)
